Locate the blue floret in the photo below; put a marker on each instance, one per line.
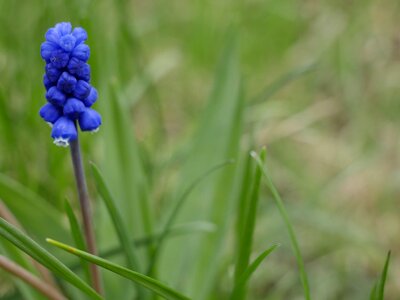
(89, 120)
(64, 131)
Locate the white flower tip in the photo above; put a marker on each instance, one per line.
(61, 142)
(95, 130)
(50, 124)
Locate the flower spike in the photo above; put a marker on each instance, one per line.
(67, 81)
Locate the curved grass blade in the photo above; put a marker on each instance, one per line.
(120, 228)
(147, 282)
(33, 249)
(282, 81)
(176, 209)
(378, 290)
(116, 218)
(241, 283)
(289, 227)
(78, 237)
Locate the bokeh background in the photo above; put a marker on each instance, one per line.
(318, 83)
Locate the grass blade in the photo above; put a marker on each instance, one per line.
(33, 249)
(147, 282)
(246, 239)
(378, 290)
(241, 283)
(289, 227)
(216, 139)
(242, 202)
(120, 228)
(281, 82)
(78, 237)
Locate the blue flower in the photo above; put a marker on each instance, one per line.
(50, 113)
(73, 108)
(79, 68)
(64, 131)
(67, 81)
(80, 34)
(82, 89)
(81, 52)
(67, 42)
(89, 120)
(46, 82)
(53, 73)
(55, 96)
(91, 98)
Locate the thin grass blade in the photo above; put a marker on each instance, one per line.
(378, 291)
(289, 227)
(282, 82)
(147, 282)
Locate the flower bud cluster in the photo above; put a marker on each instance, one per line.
(69, 93)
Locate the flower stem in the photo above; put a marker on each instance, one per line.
(85, 210)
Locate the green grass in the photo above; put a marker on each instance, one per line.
(185, 86)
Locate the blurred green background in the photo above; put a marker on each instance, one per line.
(317, 82)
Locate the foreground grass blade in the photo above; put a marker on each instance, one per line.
(286, 220)
(378, 290)
(78, 237)
(147, 282)
(246, 238)
(240, 285)
(33, 249)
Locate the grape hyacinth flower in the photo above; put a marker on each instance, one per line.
(69, 97)
(69, 93)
